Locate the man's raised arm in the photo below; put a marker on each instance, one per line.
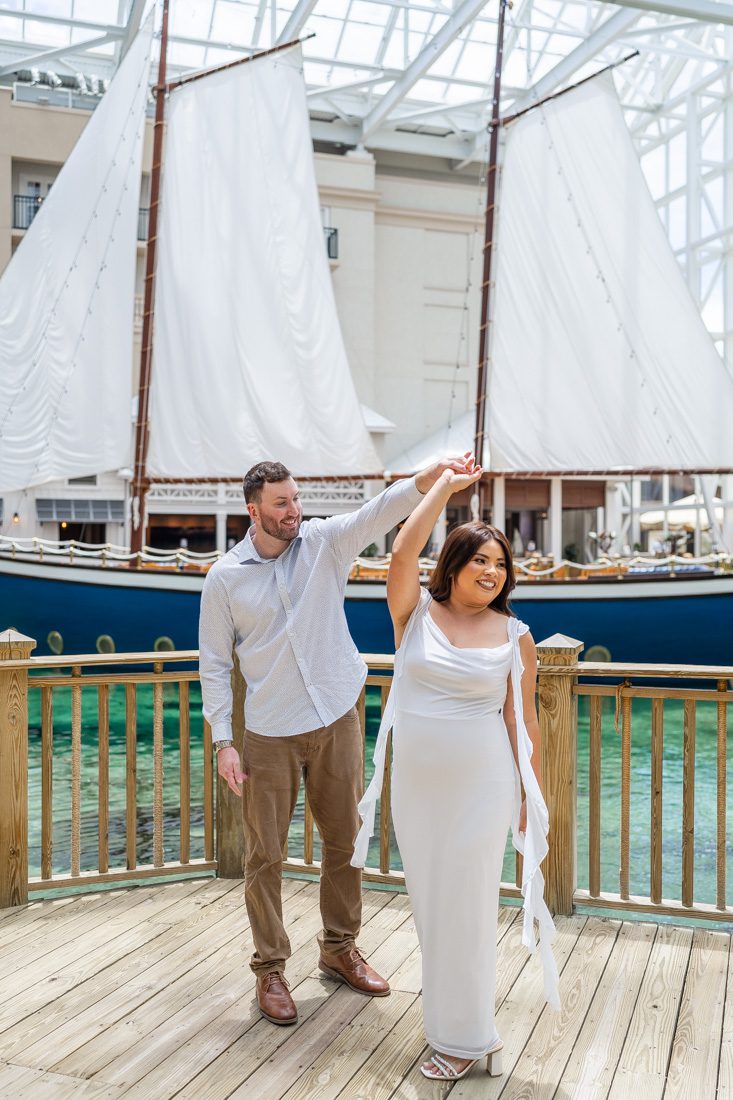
(351, 533)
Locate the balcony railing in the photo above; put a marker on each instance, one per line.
(25, 208)
(332, 242)
(143, 220)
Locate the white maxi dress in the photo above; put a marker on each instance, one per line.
(455, 793)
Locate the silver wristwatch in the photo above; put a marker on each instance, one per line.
(222, 745)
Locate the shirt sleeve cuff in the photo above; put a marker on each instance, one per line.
(222, 731)
(414, 491)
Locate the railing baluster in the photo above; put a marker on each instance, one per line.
(158, 858)
(594, 798)
(103, 801)
(688, 804)
(46, 782)
(184, 742)
(385, 812)
(657, 796)
(625, 794)
(131, 775)
(721, 809)
(208, 795)
(308, 832)
(76, 774)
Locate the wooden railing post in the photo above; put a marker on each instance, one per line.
(229, 835)
(14, 769)
(558, 714)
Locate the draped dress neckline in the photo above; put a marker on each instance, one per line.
(464, 648)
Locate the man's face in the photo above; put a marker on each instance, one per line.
(278, 512)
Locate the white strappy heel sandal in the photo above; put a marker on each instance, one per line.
(446, 1072)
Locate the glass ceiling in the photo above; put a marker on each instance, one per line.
(362, 49)
(415, 76)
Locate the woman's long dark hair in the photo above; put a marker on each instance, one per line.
(462, 544)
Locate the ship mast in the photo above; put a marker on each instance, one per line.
(140, 483)
(490, 220)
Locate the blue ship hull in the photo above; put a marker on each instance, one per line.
(664, 620)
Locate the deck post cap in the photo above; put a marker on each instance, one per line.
(560, 649)
(14, 645)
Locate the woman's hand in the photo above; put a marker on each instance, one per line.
(523, 817)
(456, 482)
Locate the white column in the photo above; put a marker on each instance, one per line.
(635, 513)
(612, 511)
(665, 506)
(556, 518)
(697, 549)
(439, 531)
(726, 492)
(498, 506)
(221, 519)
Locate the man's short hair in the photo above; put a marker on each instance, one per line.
(256, 478)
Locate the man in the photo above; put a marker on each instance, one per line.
(277, 599)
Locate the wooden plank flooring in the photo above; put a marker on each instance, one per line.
(146, 992)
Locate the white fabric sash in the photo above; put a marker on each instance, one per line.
(532, 844)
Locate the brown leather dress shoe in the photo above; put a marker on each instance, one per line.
(274, 1000)
(353, 969)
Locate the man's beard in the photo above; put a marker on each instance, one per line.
(279, 531)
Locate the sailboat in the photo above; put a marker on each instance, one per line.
(592, 339)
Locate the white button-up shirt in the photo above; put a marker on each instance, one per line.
(284, 617)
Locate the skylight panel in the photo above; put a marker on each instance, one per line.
(327, 33)
(99, 11)
(476, 62)
(360, 43)
(11, 29)
(362, 11)
(191, 18)
(59, 8)
(45, 34)
(233, 22)
(187, 57)
(336, 9)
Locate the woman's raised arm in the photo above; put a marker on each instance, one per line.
(403, 579)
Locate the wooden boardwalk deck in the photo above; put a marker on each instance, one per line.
(146, 993)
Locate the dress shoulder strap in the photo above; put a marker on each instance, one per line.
(516, 628)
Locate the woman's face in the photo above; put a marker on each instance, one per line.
(483, 577)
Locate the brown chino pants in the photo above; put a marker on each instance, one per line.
(330, 761)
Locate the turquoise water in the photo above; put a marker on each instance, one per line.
(705, 789)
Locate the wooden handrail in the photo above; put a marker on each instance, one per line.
(563, 683)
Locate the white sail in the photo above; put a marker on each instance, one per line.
(249, 362)
(66, 301)
(600, 359)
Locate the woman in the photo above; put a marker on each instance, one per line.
(466, 741)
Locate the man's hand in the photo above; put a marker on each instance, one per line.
(427, 478)
(229, 768)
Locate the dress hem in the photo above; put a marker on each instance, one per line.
(462, 1052)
